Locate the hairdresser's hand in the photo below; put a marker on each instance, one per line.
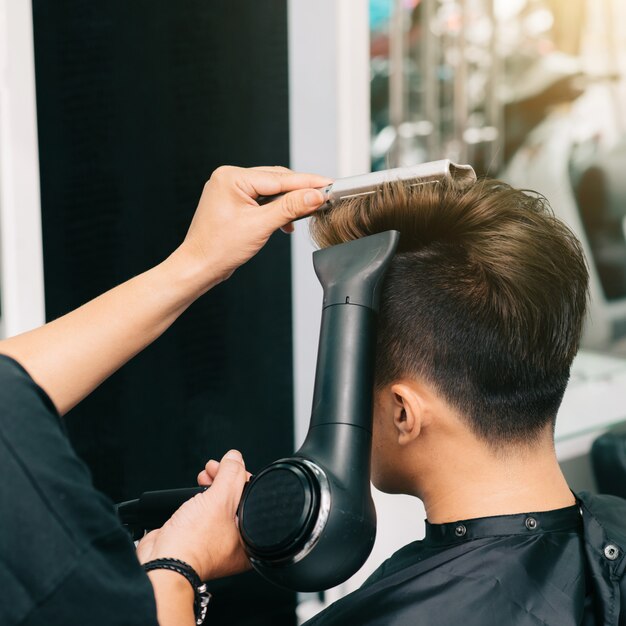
(229, 227)
(208, 474)
(203, 531)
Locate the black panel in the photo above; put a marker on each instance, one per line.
(137, 103)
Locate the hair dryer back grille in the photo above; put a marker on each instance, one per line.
(278, 510)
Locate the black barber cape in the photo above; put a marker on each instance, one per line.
(557, 568)
(64, 558)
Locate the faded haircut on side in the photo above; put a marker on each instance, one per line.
(485, 298)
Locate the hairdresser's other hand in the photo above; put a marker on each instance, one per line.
(203, 531)
(229, 227)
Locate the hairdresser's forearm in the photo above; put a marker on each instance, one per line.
(174, 598)
(72, 355)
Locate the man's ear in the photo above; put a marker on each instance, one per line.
(410, 411)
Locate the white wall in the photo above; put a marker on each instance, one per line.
(329, 130)
(21, 255)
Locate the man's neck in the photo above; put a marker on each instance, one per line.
(487, 485)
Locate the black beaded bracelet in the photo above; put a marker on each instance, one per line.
(201, 595)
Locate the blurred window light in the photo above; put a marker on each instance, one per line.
(480, 135)
(538, 22)
(408, 130)
(508, 9)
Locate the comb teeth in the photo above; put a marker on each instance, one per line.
(367, 184)
(423, 174)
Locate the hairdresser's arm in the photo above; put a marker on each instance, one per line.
(72, 355)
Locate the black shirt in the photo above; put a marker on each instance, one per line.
(64, 558)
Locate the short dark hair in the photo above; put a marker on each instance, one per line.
(485, 298)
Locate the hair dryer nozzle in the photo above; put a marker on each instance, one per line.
(351, 273)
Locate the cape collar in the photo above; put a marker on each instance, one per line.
(566, 519)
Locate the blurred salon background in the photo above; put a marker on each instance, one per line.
(531, 91)
(114, 113)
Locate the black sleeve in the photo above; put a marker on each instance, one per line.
(64, 558)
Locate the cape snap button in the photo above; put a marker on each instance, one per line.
(460, 530)
(611, 552)
(531, 523)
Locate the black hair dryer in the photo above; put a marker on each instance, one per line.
(308, 521)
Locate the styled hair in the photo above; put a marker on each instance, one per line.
(485, 298)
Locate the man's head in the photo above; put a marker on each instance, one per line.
(481, 311)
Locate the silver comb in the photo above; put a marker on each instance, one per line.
(368, 184)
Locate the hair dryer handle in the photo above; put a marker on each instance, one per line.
(153, 508)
